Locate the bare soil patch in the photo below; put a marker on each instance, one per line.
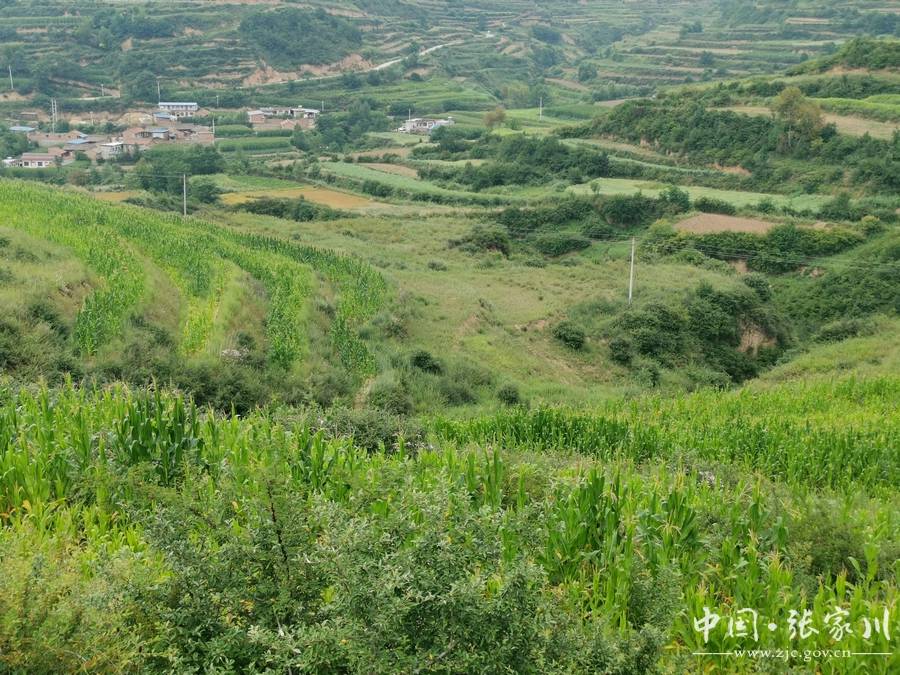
(713, 222)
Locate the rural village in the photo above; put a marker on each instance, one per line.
(171, 123)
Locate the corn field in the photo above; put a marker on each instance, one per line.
(263, 542)
(199, 259)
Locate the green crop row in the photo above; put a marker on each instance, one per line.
(196, 257)
(186, 539)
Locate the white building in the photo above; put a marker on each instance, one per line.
(43, 160)
(179, 108)
(423, 125)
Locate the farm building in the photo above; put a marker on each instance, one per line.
(423, 125)
(48, 139)
(283, 118)
(44, 160)
(112, 149)
(179, 108)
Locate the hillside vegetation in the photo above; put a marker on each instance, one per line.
(599, 376)
(162, 537)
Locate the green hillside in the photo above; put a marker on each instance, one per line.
(599, 376)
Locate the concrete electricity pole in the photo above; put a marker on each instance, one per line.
(631, 274)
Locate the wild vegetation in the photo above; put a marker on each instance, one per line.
(573, 384)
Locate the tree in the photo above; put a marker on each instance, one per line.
(801, 118)
(204, 190)
(587, 72)
(141, 86)
(495, 117)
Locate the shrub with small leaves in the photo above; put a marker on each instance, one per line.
(570, 335)
(508, 394)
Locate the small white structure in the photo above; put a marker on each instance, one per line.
(112, 149)
(423, 125)
(283, 118)
(179, 109)
(43, 160)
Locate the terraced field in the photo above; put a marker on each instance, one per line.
(126, 248)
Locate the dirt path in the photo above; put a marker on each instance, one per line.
(370, 69)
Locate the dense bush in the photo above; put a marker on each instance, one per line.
(781, 249)
(560, 243)
(712, 205)
(161, 169)
(625, 211)
(514, 160)
(707, 325)
(508, 394)
(482, 239)
(299, 209)
(571, 335)
(424, 361)
(522, 221)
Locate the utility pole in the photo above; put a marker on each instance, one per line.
(217, 100)
(158, 94)
(631, 275)
(542, 108)
(11, 85)
(54, 114)
(184, 194)
(102, 90)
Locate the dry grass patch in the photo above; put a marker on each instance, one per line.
(397, 169)
(116, 196)
(332, 198)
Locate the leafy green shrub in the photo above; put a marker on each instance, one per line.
(830, 545)
(391, 396)
(674, 200)
(760, 284)
(624, 211)
(842, 329)
(597, 229)
(508, 394)
(871, 226)
(656, 330)
(560, 243)
(712, 205)
(370, 428)
(621, 350)
(424, 361)
(570, 335)
(376, 189)
(646, 372)
(299, 209)
(62, 606)
(520, 222)
(482, 239)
